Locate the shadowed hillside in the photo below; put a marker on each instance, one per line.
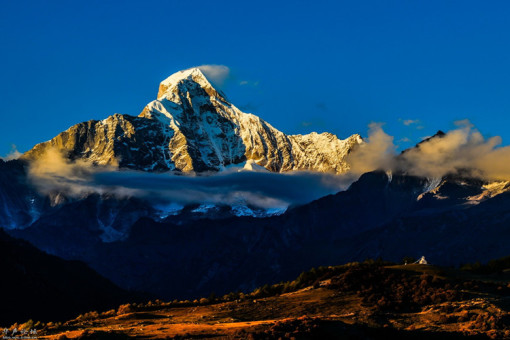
(42, 287)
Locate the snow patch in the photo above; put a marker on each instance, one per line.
(251, 165)
(490, 190)
(204, 208)
(110, 234)
(242, 210)
(172, 209)
(431, 185)
(275, 211)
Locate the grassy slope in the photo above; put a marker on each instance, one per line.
(357, 301)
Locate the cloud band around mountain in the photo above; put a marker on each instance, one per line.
(460, 151)
(53, 172)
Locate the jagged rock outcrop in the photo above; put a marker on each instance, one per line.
(191, 126)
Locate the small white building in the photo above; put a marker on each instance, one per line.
(422, 260)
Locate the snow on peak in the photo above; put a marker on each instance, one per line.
(170, 84)
(356, 138)
(250, 165)
(191, 73)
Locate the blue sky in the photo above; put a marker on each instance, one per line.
(336, 66)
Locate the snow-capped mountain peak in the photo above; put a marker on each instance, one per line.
(192, 127)
(191, 73)
(185, 81)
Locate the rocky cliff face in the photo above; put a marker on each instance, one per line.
(191, 126)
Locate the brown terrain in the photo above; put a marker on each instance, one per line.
(370, 300)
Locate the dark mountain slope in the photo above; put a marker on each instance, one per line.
(38, 286)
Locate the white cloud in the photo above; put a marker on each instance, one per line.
(408, 122)
(52, 171)
(462, 150)
(249, 83)
(215, 73)
(377, 152)
(14, 154)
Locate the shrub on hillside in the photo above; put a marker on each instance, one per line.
(388, 289)
(127, 308)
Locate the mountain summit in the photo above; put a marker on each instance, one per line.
(170, 86)
(192, 127)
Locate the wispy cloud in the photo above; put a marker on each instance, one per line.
(263, 189)
(377, 152)
(249, 83)
(215, 73)
(53, 172)
(13, 154)
(461, 150)
(409, 122)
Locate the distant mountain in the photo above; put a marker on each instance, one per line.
(43, 287)
(191, 126)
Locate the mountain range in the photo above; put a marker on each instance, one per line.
(191, 129)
